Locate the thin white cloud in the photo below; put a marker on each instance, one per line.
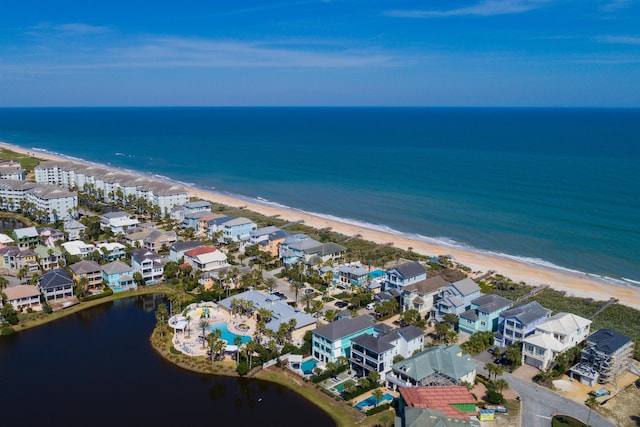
(178, 52)
(70, 29)
(630, 40)
(616, 5)
(483, 8)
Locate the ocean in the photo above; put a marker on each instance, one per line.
(552, 187)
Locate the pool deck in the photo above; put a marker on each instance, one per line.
(187, 341)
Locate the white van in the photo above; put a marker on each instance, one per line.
(371, 306)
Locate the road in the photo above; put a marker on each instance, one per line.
(539, 404)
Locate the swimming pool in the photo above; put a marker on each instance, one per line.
(371, 401)
(227, 335)
(308, 366)
(376, 274)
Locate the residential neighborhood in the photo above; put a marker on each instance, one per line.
(418, 337)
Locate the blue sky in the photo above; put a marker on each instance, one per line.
(312, 52)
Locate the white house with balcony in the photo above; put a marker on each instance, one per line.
(555, 335)
(375, 352)
(405, 274)
(118, 222)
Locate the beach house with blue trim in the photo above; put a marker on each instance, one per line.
(334, 339)
(483, 314)
(238, 230)
(403, 275)
(119, 276)
(455, 298)
(519, 322)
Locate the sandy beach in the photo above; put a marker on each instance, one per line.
(573, 284)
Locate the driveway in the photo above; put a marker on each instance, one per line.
(540, 404)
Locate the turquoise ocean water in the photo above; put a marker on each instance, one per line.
(555, 187)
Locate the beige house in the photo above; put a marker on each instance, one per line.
(22, 297)
(421, 295)
(89, 269)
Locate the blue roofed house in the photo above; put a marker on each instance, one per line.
(238, 230)
(215, 225)
(334, 339)
(455, 298)
(483, 314)
(118, 275)
(403, 275)
(56, 284)
(518, 322)
(302, 248)
(375, 353)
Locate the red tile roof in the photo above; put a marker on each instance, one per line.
(201, 250)
(439, 398)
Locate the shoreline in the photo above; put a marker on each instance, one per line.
(573, 283)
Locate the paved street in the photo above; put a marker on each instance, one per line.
(540, 404)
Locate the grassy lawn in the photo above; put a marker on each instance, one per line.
(28, 163)
(565, 421)
(342, 414)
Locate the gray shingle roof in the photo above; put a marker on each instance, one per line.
(116, 267)
(375, 344)
(607, 341)
(410, 269)
(526, 312)
(55, 278)
(344, 327)
(83, 267)
(490, 302)
(427, 285)
(466, 286)
(186, 246)
(440, 359)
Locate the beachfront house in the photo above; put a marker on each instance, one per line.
(178, 249)
(118, 276)
(606, 355)
(553, 336)
(350, 276)
(56, 284)
(271, 244)
(14, 259)
(88, 272)
(22, 297)
(455, 298)
(421, 295)
(117, 222)
(375, 353)
(405, 274)
(49, 257)
(483, 314)
(215, 226)
(198, 206)
(519, 322)
(73, 228)
(26, 237)
(435, 366)
(237, 230)
(149, 264)
(205, 258)
(302, 248)
(260, 234)
(334, 339)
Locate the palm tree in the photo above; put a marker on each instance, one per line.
(203, 324)
(237, 341)
(591, 402)
(378, 395)
(501, 384)
(265, 314)
(494, 369)
(271, 284)
(3, 282)
(188, 318)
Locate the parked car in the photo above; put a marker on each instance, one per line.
(600, 392)
(371, 306)
(341, 304)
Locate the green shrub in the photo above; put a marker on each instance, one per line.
(378, 409)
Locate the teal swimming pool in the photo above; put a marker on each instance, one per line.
(227, 335)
